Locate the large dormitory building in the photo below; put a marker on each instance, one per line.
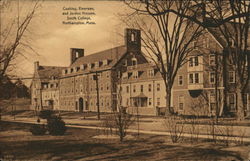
(141, 86)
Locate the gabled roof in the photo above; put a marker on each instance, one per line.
(216, 33)
(46, 72)
(113, 54)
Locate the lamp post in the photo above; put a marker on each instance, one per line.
(95, 77)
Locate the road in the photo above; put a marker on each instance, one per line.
(156, 126)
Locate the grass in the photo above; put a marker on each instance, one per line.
(16, 142)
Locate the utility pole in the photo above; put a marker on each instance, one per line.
(97, 94)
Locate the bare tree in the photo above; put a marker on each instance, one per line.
(232, 20)
(236, 52)
(13, 33)
(166, 38)
(122, 119)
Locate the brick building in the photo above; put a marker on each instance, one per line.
(45, 87)
(78, 84)
(142, 87)
(194, 90)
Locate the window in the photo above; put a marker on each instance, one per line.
(150, 101)
(141, 88)
(180, 80)
(190, 62)
(231, 101)
(206, 42)
(107, 74)
(132, 36)
(135, 74)
(191, 79)
(105, 62)
(211, 59)
(194, 78)
(149, 87)
(97, 64)
(158, 101)
(212, 101)
(134, 61)
(180, 103)
(231, 77)
(101, 86)
(127, 89)
(134, 88)
(158, 87)
(77, 54)
(195, 44)
(212, 77)
(194, 61)
(151, 72)
(127, 101)
(107, 86)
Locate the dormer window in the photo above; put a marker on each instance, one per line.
(151, 73)
(105, 62)
(89, 66)
(77, 69)
(71, 70)
(97, 64)
(84, 66)
(65, 71)
(135, 74)
(134, 61)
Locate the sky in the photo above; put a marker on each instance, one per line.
(52, 40)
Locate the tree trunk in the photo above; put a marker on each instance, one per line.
(240, 105)
(168, 111)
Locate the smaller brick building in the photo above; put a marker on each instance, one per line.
(45, 87)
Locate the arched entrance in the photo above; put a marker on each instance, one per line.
(80, 104)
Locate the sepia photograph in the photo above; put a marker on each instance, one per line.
(111, 80)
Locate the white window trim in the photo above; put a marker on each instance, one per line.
(209, 100)
(228, 101)
(179, 80)
(180, 102)
(210, 55)
(233, 76)
(210, 78)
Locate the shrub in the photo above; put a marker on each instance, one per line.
(46, 114)
(38, 129)
(56, 126)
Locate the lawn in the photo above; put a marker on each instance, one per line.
(16, 142)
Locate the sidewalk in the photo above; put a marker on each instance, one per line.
(155, 126)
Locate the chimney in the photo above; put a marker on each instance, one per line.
(75, 53)
(36, 65)
(133, 40)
